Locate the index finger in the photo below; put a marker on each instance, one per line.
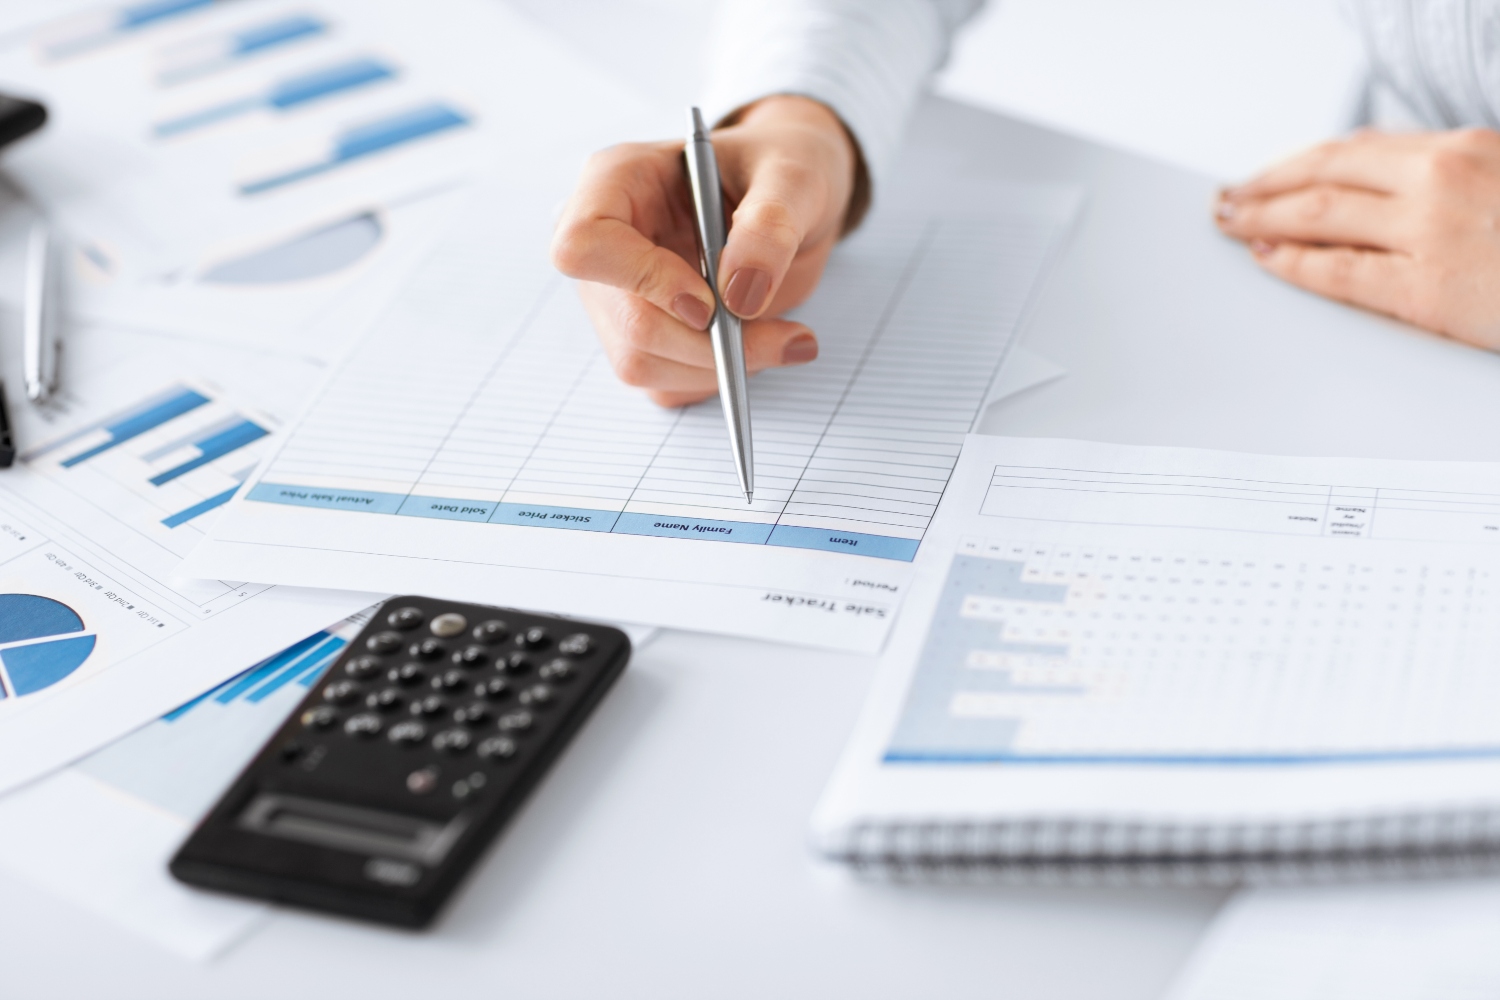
(602, 234)
(1375, 161)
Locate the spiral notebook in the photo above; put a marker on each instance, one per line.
(1184, 664)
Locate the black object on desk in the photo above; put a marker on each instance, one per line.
(18, 117)
(404, 762)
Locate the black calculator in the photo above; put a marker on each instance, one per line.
(405, 760)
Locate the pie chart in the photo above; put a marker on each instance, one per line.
(41, 642)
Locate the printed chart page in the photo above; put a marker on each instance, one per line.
(99, 633)
(1169, 635)
(477, 442)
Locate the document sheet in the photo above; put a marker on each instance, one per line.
(477, 441)
(1175, 636)
(99, 634)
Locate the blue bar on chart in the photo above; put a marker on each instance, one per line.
(290, 93)
(213, 444)
(205, 55)
(108, 25)
(200, 508)
(131, 423)
(366, 140)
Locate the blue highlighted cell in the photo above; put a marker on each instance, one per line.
(664, 526)
(310, 496)
(448, 509)
(828, 540)
(536, 515)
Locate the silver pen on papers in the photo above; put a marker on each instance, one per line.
(728, 341)
(39, 357)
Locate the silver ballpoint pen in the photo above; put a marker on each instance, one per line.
(39, 350)
(728, 341)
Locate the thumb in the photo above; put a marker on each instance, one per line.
(765, 234)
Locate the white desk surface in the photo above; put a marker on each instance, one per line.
(665, 857)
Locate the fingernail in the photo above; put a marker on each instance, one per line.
(1260, 247)
(746, 292)
(692, 311)
(800, 349)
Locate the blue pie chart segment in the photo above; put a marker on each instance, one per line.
(43, 664)
(26, 616)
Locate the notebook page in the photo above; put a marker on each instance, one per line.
(478, 440)
(1177, 637)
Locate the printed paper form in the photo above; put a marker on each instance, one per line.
(1181, 636)
(481, 425)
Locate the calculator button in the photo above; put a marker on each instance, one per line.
(471, 656)
(319, 718)
(515, 722)
(491, 632)
(451, 741)
(384, 642)
(427, 649)
(471, 715)
(430, 705)
(364, 724)
(533, 638)
(449, 625)
(407, 733)
(362, 668)
(450, 680)
(385, 699)
(537, 696)
(493, 688)
(557, 671)
(515, 663)
(422, 780)
(407, 673)
(405, 618)
(291, 751)
(576, 644)
(497, 748)
(341, 692)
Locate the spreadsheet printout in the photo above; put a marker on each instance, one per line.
(1115, 630)
(477, 441)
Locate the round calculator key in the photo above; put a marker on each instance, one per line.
(515, 722)
(471, 715)
(477, 779)
(450, 680)
(364, 724)
(422, 781)
(493, 688)
(407, 733)
(577, 644)
(319, 718)
(449, 625)
(384, 642)
(385, 700)
(515, 663)
(497, 748)
(427, 649)
(453, 741)
(557, 671)
(406, 618)
(471, 656)
(362, 668)
(533, 638)
(291, 751)
(536, 696)
(341, 692)
(430, 705)
(407, 673)
(491, 632)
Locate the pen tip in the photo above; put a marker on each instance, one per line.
(749, 496)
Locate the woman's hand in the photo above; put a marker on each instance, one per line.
(788, 167)
(1404, 224)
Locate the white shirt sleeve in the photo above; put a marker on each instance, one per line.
(868, 60)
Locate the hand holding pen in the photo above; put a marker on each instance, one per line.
(788, 170)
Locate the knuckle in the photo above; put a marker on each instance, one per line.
(770, 219)
(633, 368)
(634, 321)
(1450, 164)
(1315, 205)
(569, 251)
